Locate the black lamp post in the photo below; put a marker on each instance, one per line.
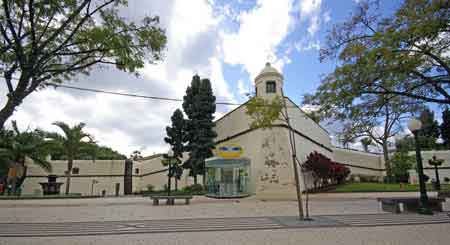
(414, 126)
(436, 162)
(169, 156)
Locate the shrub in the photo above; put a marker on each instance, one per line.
(446, 179)
(150, 188)
(193, 189)
(324, 169)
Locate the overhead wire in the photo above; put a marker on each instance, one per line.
(94, 90)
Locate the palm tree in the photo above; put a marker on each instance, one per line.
(16, 146)
(73, 142)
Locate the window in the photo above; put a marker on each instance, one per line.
(270, 87)
(75, 170)
(136, 171)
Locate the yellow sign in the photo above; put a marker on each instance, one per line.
(229, 150)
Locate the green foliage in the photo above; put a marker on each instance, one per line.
(445, 127)
(176, 137)
(74, 141)
(52, 41)
(16, 146)
(366, 142)
(264, 112)
(199, 104)
(405, 144)
(429, 132)
(176, 134)
(101, 153)
(193, 189)
(314, 115)
(401, 163)
(379, 187)
(402, 55)
(150, 188)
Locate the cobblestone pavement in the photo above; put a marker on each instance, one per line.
(338, 219)
(138, 208)
(212, 224)
(430, 234)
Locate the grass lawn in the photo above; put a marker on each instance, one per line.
(381, 187)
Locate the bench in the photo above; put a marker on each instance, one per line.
(170, 199)
(410, 204)
(444, 194)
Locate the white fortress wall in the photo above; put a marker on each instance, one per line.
(361, 163)
(105, 172)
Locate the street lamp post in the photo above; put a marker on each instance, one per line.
(170, 156)
(436, 162)
(414, 126)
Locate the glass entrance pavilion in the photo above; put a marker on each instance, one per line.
(227, 178)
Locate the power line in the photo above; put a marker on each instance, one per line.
(128, 94)
(92, 90)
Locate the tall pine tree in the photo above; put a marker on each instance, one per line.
(176, 137)
(199, 105)
(445, 127)
(429, 132)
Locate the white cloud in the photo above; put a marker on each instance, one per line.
(124, 123)
(309, 7)
(310, 13)
(305, 45)
(261, 31)
(243, 88)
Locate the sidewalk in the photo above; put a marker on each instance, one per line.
(213, 224)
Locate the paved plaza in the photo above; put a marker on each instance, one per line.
(337, 218)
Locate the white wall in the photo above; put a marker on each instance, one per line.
(364, 163)
(106, 172)
(428, 169)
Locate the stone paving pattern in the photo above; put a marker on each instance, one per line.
(138, 209)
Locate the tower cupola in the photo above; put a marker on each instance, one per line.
(269, 82)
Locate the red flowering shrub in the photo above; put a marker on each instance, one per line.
(324, 170)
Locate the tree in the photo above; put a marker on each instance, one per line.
(176, 138)
(73, 141)
(445, 127)
(264, 113)
(16, 146)
(372, 116)
(401, 163)
(53, 41)
(199, 104)
(324, 169)
(101, 153)
(403, 55)
(366, 142)
(429, 132)
(407, 143)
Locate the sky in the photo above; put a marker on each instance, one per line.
(226, 41)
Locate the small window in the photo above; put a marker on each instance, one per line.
(136, 171)
(271, 87)
(75, 170)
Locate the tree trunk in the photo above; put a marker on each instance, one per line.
(195, 179)
(387, 164)
(22, 178)
(69, 173)
(6, 112)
